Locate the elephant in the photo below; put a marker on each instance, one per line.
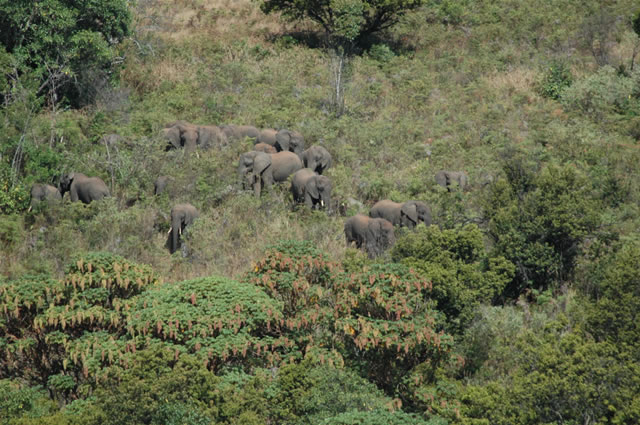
(311, 188)
(182, 215)
(255, 170)
(211, 135)
(283, 164)
(44, 192)
(161, 184)
(317, 158)
(83, 188)
(407, 214)
(181, 134)
(447, 178)
(239, 132)
(374, 234)
(264, 147)
(267, 136)
(291, 141)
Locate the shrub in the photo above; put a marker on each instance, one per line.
(554, 80)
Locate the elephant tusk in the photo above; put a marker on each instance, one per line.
(29, 210)
(170, 229)
(321, 203)
(180, 231)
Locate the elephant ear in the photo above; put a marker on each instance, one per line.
(410, 211)
(312, 187)
(261, 162)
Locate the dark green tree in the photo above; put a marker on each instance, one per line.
(62, 42)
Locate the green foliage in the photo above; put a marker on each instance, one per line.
(463, 276)
(612, 313)
(604, 95)
(554, 80)
(59, 40)
(350, 19)
(379, 417)
(19, 401)
(538, 225)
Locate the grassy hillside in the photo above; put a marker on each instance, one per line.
(538, 102)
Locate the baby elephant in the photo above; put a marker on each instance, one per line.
(374, 234)
(312, 189)
(317, 158)
(161, 184)
(407, 214)
(83, 188)
(44, 192)
(182, 215)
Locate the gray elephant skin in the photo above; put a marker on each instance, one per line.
(254, 168)
(161, 184)
(267, 136)
(44, 192)
(374, 234)
(407, 214)
(289, 141)
(182, 215)
(447, 179)
(284, 164)
(240, 132)
(264, 147)
(311, 188)
(189, 136)
(317, 158)
(83, 188)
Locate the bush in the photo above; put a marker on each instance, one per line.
(554, 80)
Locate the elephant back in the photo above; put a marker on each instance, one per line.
(284, 164)
(388, 210)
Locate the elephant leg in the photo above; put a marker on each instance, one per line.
(257, 183)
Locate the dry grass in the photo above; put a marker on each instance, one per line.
(518, 80)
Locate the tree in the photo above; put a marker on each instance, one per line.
(61, 41)
(353, 19)
(346, 23)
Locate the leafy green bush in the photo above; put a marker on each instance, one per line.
(602, 95)
(462, 274)
(539, 225)
(555, 79)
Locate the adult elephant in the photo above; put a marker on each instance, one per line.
(83, 188)
(240, 132)
(291, 141)
(407, 214)
(311, 188)
(374, 234)
(284, 164)
(447, 179)
(255, 171)
(181, 134)
(182, 215)
(317, 158)
(44, 192)
(211, 135)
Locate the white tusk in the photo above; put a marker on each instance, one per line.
(180, 230)
(29, 210)
(321, 203)
(170, 229)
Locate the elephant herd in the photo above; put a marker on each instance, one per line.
(277, 155)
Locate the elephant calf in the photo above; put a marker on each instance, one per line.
(447, 179)
(161, 184)
(254, 168)
(83, 188)
(182, 215)
(312, 189)
(374, 234)
(317, 158)
(44, 192)
(407, 214)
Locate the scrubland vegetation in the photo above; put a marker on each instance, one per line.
(518, 306)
